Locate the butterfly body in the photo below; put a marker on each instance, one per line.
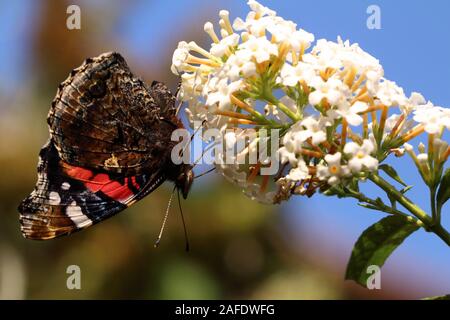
(110, 145)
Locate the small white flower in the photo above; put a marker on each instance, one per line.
(415, 100)
(330, 90)
(353, 57)
(301, 39)
(179, 57)
(260, 48)
(360, 156)
(192, 85)
(432, 117)
(286, 31)
(333, 171)
(281, 29)
(260, 9)
(221, 48)
(298, 134)
(313, 130)
(222, 95)
(240, 62)
(252, 26)
(373, 81)
(390, 94)
(287, 154)
(290, 75)
(292, 143)
(323, 61)
(325, 54)
(300, 172)
(350, 113)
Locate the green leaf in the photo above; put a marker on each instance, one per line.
(444, 191)
(406, 189)
(446, 297)
(368, 206)
(392, 173)
(376, 244)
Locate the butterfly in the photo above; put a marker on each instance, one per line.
(110, 146)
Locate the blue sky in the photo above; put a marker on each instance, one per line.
(412, 46)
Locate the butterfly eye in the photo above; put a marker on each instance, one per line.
(184, 181)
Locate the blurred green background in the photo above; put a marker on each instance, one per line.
(239, 249)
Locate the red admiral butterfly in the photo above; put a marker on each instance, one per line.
(110, 146)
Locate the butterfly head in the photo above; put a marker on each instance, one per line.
(185, 179)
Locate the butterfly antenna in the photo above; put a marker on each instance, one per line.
(180, 104)
(186, 238)
(196, 130)
(203, 153)
(158, 240)
(180, 101)
(205, 173)
(192, 137)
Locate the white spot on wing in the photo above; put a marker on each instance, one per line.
(40, 162)
(65, 186)
(54, 199)
(77, 216)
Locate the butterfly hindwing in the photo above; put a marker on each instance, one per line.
(69, 198)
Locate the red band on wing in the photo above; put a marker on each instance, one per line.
(102, 182)
(78, 173)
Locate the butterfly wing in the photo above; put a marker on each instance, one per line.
(69, 198)
(110, 146)
(105, 118)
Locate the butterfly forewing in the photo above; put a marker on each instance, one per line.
(105, 118)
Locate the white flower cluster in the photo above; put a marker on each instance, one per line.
(337, 115)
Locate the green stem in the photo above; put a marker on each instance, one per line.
(287, 111)
(430, 225)
(269, 97)
(378, 206)
(433, 205)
